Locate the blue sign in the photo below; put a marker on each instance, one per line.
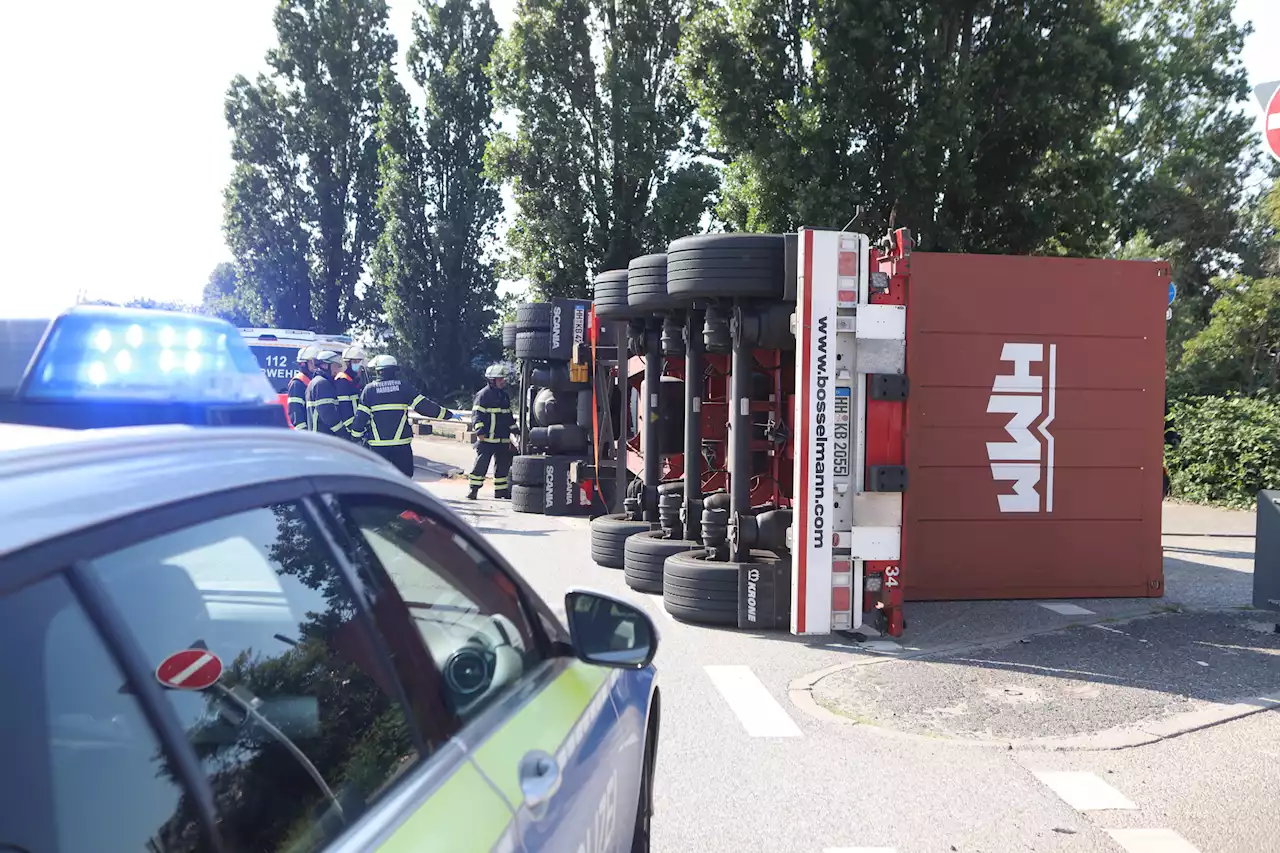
(1173, 292)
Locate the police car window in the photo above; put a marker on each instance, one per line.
(251, 627)
(465, 608)
(86, 774)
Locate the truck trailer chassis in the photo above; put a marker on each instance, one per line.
(756, 449)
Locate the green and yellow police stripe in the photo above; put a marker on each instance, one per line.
(466, 814)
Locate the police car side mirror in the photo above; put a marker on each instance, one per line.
(607, 631)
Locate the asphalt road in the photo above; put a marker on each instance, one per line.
(743, 767)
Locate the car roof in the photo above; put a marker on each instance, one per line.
(54, 482)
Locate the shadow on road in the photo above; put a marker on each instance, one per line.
(1083, 679)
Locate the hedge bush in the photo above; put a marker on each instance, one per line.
(1229, 449)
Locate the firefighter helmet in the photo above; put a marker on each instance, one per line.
(495, 371)
(306, 354)
(328, 356)
(381, 362)
(354, 353)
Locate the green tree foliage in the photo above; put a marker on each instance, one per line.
(972, 123)
(299, 210)
(1183, 143)
(602, 158)
(439, 208)
(223, 297)
(1239, 350)
(402, 260)
(1260, 254)
(1229, 448)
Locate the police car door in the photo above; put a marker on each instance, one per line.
(539, 723)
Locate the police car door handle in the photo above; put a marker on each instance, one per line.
(539, 777)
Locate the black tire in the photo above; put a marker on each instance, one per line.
(655, 264)
(727, 265)
(697, 612)
(697, 589)
(610, 296)
(647, 285)
(533, 317)
(531, 470)
(533, 345)
(555, 407)
(566, 438)
(644, 810)
(527, 498)
(608, 538)
(644, 555)
(508, 335)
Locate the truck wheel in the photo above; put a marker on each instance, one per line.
(644, 555)
(647, 285)
(610, 297)
(727, 265)
(508, 335)
(697, 589)
(531, 470)
(608, 538)
(533, 345)
(533, 317)
(527, 498)
(566, 438)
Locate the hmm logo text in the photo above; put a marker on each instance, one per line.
(1024, 397)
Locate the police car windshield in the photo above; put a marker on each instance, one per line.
(143, 355)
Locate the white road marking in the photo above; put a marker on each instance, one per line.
(760, 713)
(885, 646)
(1084, 791)
(1151, 841)
(1065, 609)
(181, 677)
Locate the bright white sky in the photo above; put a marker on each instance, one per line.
(116, 152)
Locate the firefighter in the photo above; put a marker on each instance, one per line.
(382, 415)
(322, 397)
(347, 384)
(493, 424)
(296, 393)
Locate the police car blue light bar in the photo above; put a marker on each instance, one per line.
(100, 353)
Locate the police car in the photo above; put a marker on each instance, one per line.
(256, 639)
(93, 366)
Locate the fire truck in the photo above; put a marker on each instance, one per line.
(805, 431)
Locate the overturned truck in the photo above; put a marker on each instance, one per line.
(804, 431)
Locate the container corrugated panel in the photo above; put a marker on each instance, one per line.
(1072, 439)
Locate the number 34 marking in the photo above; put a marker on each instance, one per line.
(891, 576)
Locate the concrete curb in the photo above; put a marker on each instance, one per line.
(800, 692)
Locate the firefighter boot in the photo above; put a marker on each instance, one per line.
(503, 494)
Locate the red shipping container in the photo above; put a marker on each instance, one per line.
(1035, 426)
